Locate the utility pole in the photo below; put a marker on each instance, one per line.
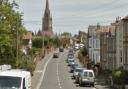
(18, 25)
(17, 43)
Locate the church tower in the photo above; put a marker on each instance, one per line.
(47, 22)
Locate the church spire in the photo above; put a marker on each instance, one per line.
(47, 10)
(47, 21)
(47, 4)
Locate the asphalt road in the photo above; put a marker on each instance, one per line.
(53, 73)
(57, 75)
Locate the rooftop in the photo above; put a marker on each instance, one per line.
(15, 73)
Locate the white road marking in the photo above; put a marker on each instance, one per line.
(58, 78)
(43, 72)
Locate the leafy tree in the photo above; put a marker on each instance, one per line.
(83, 51)
(66, 34)
(37, 42)
(10, 23)
(56, 41)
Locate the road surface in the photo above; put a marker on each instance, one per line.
(55, 75)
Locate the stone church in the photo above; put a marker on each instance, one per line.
(47, 29)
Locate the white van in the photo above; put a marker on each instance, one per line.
(15, 79)
(87, 77)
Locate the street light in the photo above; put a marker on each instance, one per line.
(43, 33)
(18, 20)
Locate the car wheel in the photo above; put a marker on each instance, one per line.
(93, 84)
(80, 83)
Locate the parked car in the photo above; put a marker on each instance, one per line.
(81, 45)
(73, 67)
(56, 55)
(70, 57)
(78, 76)
(71, 51)
(77, 47)
(71, 61)
(87, 77)
(76, 72)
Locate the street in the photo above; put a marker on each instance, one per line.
(63, 44)
(55, 75)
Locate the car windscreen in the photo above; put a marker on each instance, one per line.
(78, 70)
(70, 56)
(76, 65)
(7, 82)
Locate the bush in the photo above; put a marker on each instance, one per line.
(83, 51)
(119, 77)
(27, 64)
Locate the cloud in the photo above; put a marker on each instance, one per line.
(72, 15)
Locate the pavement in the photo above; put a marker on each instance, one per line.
(39, 70)
(101, 83)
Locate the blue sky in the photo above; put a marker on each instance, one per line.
(72, 15)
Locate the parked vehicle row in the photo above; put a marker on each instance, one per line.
(81, 75)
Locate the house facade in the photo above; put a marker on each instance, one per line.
(91, 33)
(109, 44)
(94, 42)
(27, 42)
(119, 45)
(103, 49)
(125, 42)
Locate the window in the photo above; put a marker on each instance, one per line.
(121, 53)
(120, 59)
(90, 74)
(85, 74)
(7, 82)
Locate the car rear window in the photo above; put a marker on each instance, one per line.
(71, 60)
(85, 74)
(78, 70)
(90, 74)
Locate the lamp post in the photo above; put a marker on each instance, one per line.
(18, 25)
(17, 44)
(43, 33)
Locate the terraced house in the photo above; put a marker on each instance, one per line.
(94, 38)
(114, 46)
(125, 42)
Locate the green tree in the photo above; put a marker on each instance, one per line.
(66, 34)
(10, 23)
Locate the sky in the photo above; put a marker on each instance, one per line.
(72, 15)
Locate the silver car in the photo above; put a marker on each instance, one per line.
(76, 72)
(87, 77)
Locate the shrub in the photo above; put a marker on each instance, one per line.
(83, 51)
(27, 64)
(119, 76)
